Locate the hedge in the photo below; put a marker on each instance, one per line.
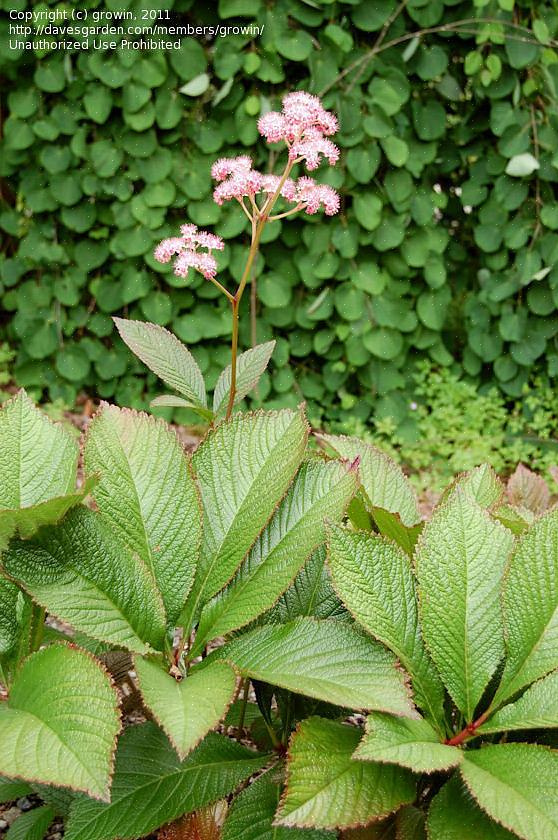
(446, 246)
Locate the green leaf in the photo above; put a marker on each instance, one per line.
(196, 86)
(32, 825)
(148, 496)
(521, 165)
(244, 466)
(460, 560)
(188, 709)
(166, 356)
(152, 786)
(327, 788)
(9, 625)
(251, 814)
(80, 574)
(530, 604)
(329, 660)
(382, 479)
(320, 492)
(409, 743)
(249, 367)
(390, 525)
(373, 577)
(516, 785)
(60, 723)
(310, 594)
(454, 815)
(536, 709)
(410, 824)
(481, 484)
(10, 789)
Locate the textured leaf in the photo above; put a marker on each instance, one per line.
(311, 594)
(454, 815)
(390, 525)
(328, 660)
(410, 743)
(536, 709)
(244, 468)
(81, 575)
(327, 788)
(10, 789)
(530, 605)
(152, 786)
(516, 519)
(186, 710)
(32, 825)
(148, 495)
(382, 479)
(410, 823)
(166, 356)
(321, 491)
(529, 490)
(249, 367)
(516, 785)
(9, 625)
(60, 723)
(481, 483)
(460, 560)
(374, 579)
(251, 814)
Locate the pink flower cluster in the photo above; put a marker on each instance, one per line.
(185, 249)
(304, 125)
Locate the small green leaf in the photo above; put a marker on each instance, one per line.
(9, 624)
(536, 709)
(31, 825)
(196, 86)
(521, 165)
(249, 367)
(409, 743)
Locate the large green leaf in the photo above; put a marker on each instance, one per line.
(60, 723)
(481, 483)
(244, 468)
(152, 786)
(536, 709)
(32, 825)
(321, 491)
(329, 660)
(9, 625)
(188, 709)
(410, 743)
(148, 495)
(516, 785)
(249, 367)
(166, 356)
(374, 579)
(327, 788)
(310, 594)
(83, 576)
(460, 560)
(454, 815)
(383, 480)
(251, 814)
(531, 608)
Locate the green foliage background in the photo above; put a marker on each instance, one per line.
(437, 253)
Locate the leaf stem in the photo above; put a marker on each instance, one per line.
(469, 731)
(242, 716)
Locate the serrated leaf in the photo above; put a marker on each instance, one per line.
(11, 789)
(80, 574)
(460, 561)
(249, 367)
(251, 814)
(166, 356)
(244, 468)
(481, 483)
(390, 525)
(9, 625)
(32, 825)
(188, 709)
(409, 743)
(530, 606)
(536, 709)
(517, 520)
(329, 660)
(374, 579)
(516, 785)
(60, 723)
(383, 480)
(528, 490)
(454, 815)
(410, 823)
(320, 491)
(152, 786)
(148, 496)
(327, 788)
(311, 594)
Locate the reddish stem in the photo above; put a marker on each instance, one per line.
(469, 731)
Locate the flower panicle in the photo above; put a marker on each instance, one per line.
(185, 249)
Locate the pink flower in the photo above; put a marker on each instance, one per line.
(311, 146)
(271, 182)
(272, 126)
(237, 179)
(304, 125)
(313, 196)
(185, 249)
(302, 110)
(224, 167)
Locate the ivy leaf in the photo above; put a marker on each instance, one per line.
(454, 815)
(521, 165)
(374, 579)
(516, 785)
(320, 492)
(148, 496)
(536, 709)
(249, 367)
(166, 356)
(327, 788)
(244, 467)
(186, 710)
(329, 660)
(60, 723)
(460, 561)
(152, 786)
(409, 743)
(32, 825)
